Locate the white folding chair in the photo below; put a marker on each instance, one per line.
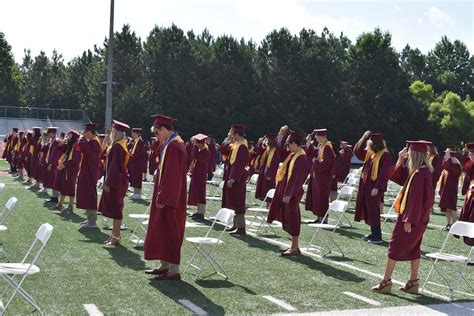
(252, 183)
(225, 217)
(9, 207)
(216, 196)
(138, 235)
(337, 207)
(9, 271)
(2, 187)
(390, 215)
(457, 262)
(353, 181)
(261, 213)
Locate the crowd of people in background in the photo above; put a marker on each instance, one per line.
(71, 165)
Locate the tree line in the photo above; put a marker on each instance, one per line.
(309, 80)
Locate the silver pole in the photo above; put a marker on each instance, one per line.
(108, 100)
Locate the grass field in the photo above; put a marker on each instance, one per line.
(77, 268)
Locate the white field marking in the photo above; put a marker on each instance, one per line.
(193, 225)
(280, 303)
(435, 226)
(432, 310)
(342, 264)
(362, 298)
(92, 310)
(192, 307)
(446, 287)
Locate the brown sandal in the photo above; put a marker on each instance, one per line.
(412, 286)
(385, 286)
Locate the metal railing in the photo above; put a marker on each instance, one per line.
(43, 113)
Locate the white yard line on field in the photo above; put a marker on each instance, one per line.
(92, 310)
(192, 307)
(362, 298)
(280, 303)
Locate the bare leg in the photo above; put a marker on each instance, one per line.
(389, 269)
(116, 227)
(414, 267)
(61, 199)
(454, 216)
(294, 243)
(71, 202)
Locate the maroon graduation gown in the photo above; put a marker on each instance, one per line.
(468, 169)
(467, 212)
(406, 246)
(322, 175)
(166, 225)
(337, 173)
(311, 152)
(289, 214)
(448, 189)
(152, 162)
(88, 173)
(199, 168)
(346, 157)
(69, 174)
(437, 163)
(116, 178)
(266, 177)
(59, 173)
(212, 157)
(54, 153)
(235, 196)
(34, 158)
(42, 165)
(368, 206)
(137, 164)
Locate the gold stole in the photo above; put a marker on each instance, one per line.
(289, 160)
(401, 201)
(375, 157)
(123, 144)
(135, 145)
(162, 160)
(321, 150)
(235, 150)
(49, 151)
(267, 157)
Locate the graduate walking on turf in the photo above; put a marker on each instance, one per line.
(290, 178)
(166, 226)
(413, 206)
(235, 178)
(199, 171)
(372, 151)
(115, 180)
(137, 163)
(448, 187)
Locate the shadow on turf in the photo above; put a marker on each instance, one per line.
(178, 290)
(69, 217)
(327, 269)
(125, 257)
(220, 284)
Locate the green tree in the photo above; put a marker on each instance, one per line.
(9, 79)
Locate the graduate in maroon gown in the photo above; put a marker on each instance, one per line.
(468, 170)
(12, 148)
(34, 157)
(373, 182)
(20, 158)
(211, 145)
(346, 157)
(52, 158)
(413, 206)
(27, 156)
(198, 172)
(115, 180)
(322, 173)
(448, 187)
(86, 195)
(153, 156)
(167, 221)
(235, 178)
(137, 163)
(337, 174)
(43, 165)
(68, 169)
(285, 206)
(467, 211)
(268, 168)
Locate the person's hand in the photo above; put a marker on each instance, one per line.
(402, 153)
(268, 178)
(407, 227)
(374, 192)
(60, 167)
(229, 183)
(161, 206)
(286, 199)
(106, 189)
(50, 167)
(367, 134)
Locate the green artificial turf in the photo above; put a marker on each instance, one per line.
(77, 268)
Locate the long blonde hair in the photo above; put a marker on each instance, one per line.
(416, 160)
(115, 136)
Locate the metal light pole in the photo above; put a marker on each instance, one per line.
(110, 56)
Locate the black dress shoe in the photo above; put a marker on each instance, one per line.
(53, 200)
(284, 250)
(197, 216)
(239, 231)
(231, 229)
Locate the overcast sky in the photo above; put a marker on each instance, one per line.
(71, 26)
